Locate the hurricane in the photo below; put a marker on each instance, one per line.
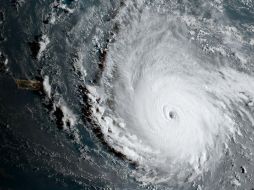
(169, 103)
(127, 94)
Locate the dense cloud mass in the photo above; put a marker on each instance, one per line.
(170, 105)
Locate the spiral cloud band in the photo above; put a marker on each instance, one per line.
(168, 105)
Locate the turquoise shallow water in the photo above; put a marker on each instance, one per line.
(47, 137)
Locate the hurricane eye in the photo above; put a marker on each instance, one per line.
(169, 113)
(172, 115)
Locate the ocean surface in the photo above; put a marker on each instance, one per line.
(134, 94)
